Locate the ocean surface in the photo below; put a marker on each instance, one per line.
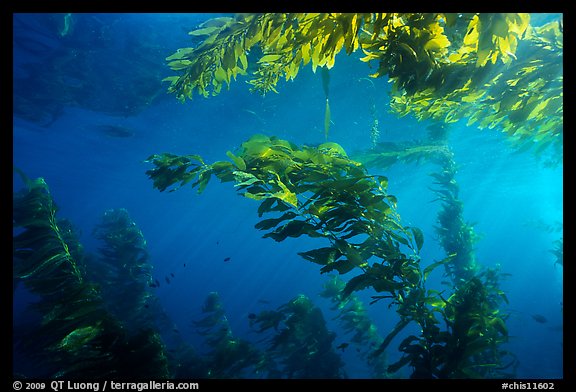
(90, 108)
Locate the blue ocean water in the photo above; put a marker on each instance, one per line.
(90, 108)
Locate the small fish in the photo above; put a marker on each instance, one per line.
(184, 265)
(252, 316)
(115, 131)
(146, 306)
(227, 259)
(539, 318)
(342, 346)
(167, 280)
(171, 274)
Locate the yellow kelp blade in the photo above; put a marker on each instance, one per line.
(327, 119)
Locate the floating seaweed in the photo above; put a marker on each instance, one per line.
(442, 65)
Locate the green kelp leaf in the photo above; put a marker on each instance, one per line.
(239, 162)
(285, 194)
(332, 148)
(267, 224)
(171, 79)
(269, 58)
(78, 338)
(224, 170)
(403, 240)
(265, 206)
(412, 274)
(180, 53)
(178, 65)
(342, 266)
(322, 256)
(432, 266)
(203, 179)
(284, 145)
(407, 342)
(355, 229)
(204, 31)
(498, 324)
(357, 283)
(171, 169)
(435, 300)
(502, 295)
(256, 196)
(418, 237)
(244, 179)
(398, 364)
(294, 228)
(220, 75)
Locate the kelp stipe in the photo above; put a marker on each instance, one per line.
(77, 337)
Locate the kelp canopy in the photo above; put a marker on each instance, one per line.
(494, 70)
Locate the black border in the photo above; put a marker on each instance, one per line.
(83, 6)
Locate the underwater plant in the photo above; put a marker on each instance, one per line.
(558, 251)
(385, 154)
(455, 235)
(122, 269)
(321, 193)
(301, 346)
(443, 66)
(353, 317)
(229, 357)
(77, 337)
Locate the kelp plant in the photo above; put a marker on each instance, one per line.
(354, 320)
(321, 193)
(229, 357)
(457, 238)
(123, 270)
(301, 346)
(77, 337)
(443, 66)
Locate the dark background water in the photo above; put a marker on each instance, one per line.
(73, 80)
